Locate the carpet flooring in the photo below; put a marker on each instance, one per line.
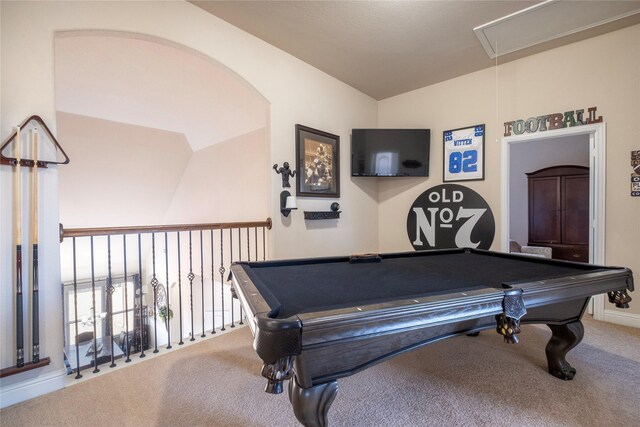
(463, 381)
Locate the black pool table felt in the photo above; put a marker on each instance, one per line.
(292, 288)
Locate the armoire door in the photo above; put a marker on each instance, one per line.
(545, 210)
(575, 210)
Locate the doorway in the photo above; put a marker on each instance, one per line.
(580, 145)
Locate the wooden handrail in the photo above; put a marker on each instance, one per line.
(104, 231)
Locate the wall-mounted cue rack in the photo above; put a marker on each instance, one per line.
(27, 135)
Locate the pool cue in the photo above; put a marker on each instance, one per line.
(35, 327)
(18, 227)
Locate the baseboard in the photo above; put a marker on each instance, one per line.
(25, 390)
(622, 318)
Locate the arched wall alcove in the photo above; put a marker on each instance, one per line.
(158, 132)
(289, 90)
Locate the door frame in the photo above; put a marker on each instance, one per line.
(597, 189)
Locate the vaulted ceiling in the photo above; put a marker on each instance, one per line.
(381, 48)
(385, 48)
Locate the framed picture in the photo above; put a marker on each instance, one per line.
(317, 163)
(463, 154)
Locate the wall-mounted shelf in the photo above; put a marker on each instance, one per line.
(322, 214)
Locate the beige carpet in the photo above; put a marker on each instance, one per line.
(462, 381)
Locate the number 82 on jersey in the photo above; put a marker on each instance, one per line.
(464, 154)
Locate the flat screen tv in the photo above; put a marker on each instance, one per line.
(390, 152)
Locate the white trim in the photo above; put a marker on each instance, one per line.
(25, 390)
(620, 318)
(597, 146)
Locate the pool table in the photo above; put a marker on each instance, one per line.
(317, 320)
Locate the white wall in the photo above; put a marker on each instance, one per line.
(601, 72)
(129, 78)
(296, 92)
(120, 174)
(225, 182)
(532, 156)
(453, 104)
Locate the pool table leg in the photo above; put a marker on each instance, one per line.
(563, 339)
(311, 405)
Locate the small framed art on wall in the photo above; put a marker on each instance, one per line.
(317, 163)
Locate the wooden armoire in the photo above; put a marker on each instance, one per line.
(559, 211)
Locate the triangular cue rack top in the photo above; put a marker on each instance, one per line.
(31, 123)
(32, 127)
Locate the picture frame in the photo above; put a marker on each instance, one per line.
(463, 155)
(317, 163)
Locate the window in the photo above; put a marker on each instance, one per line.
(93, 309)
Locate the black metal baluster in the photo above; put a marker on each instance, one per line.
(110, 290)
(191, 276)
(222, 275)
(202, 282)
(213, 299)
(248, 245)
(255, 241)
(126, 299)
(248, 259)
(166, 266)
(93, 296)
(230, 262)
(140, 324)
(75, 309)
(154, 285)
(180, 288)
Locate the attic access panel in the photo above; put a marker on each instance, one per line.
(547, 21)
